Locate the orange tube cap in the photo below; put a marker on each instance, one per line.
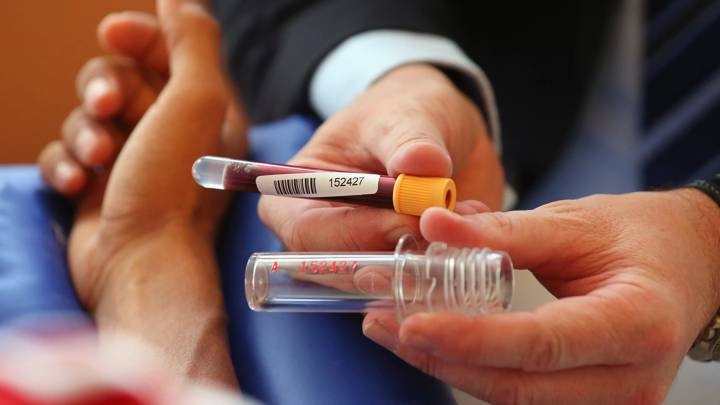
(412, 194)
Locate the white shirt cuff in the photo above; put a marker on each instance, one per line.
(363, 58)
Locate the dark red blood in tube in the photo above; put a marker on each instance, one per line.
(240, 176)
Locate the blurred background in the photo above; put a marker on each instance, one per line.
(44, 44)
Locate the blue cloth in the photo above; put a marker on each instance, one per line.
(280, 358)
(304, 358)
(33, 223)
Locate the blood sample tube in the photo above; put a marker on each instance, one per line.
(412, 279)
(406, 194)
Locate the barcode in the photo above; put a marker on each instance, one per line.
(295, 186)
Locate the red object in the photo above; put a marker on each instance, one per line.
(241, 177)
(102, 396)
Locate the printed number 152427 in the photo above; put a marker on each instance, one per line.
(346, 181)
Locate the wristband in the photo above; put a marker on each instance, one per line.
(707, 345)
(710, 186)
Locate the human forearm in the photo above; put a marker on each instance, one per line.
(140, 252)
(164, 289)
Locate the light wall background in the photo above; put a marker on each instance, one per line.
(43, 44)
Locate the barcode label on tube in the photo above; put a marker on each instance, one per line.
(295, 186)
(325, 184)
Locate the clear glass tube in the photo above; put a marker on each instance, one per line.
(412, 279)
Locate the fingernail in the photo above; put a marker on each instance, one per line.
(394, 236)
(470, 207)
(193, 7)
(442, 210)
(427, 152)
(417, 341)
(374, 281)
(97, 88)
(378, 334)
(64, 172)
(85, 145)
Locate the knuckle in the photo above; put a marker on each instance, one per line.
(650, 395)
(414, 111)
(205, 98)
(189, 19)
(294, 237)
(665, 339)
(262, 211)
(402, 126)
(171, 28)
(199, 17)
(508, 392)
(351, 240)
(441, 103)
(577, 224)
(545, 350)
(428, 364)
(407, 123)
(287, 231)
(567, 215)
(96, 66)
(210, 26)
(501, 221)
(565, 209)
(559, 206)
(72, 123)
(92, 66)
(419, 136)
(48, 156)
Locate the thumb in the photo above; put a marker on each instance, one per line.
(423, 132)
(192, 39)
(136, 35)
(413, 144)
(417, 152)
(532, 238)
(186, 120)
(194, 101)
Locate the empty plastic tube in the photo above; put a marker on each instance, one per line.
(437, 279)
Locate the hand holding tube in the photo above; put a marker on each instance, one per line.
(635, 275)
(414, 121)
